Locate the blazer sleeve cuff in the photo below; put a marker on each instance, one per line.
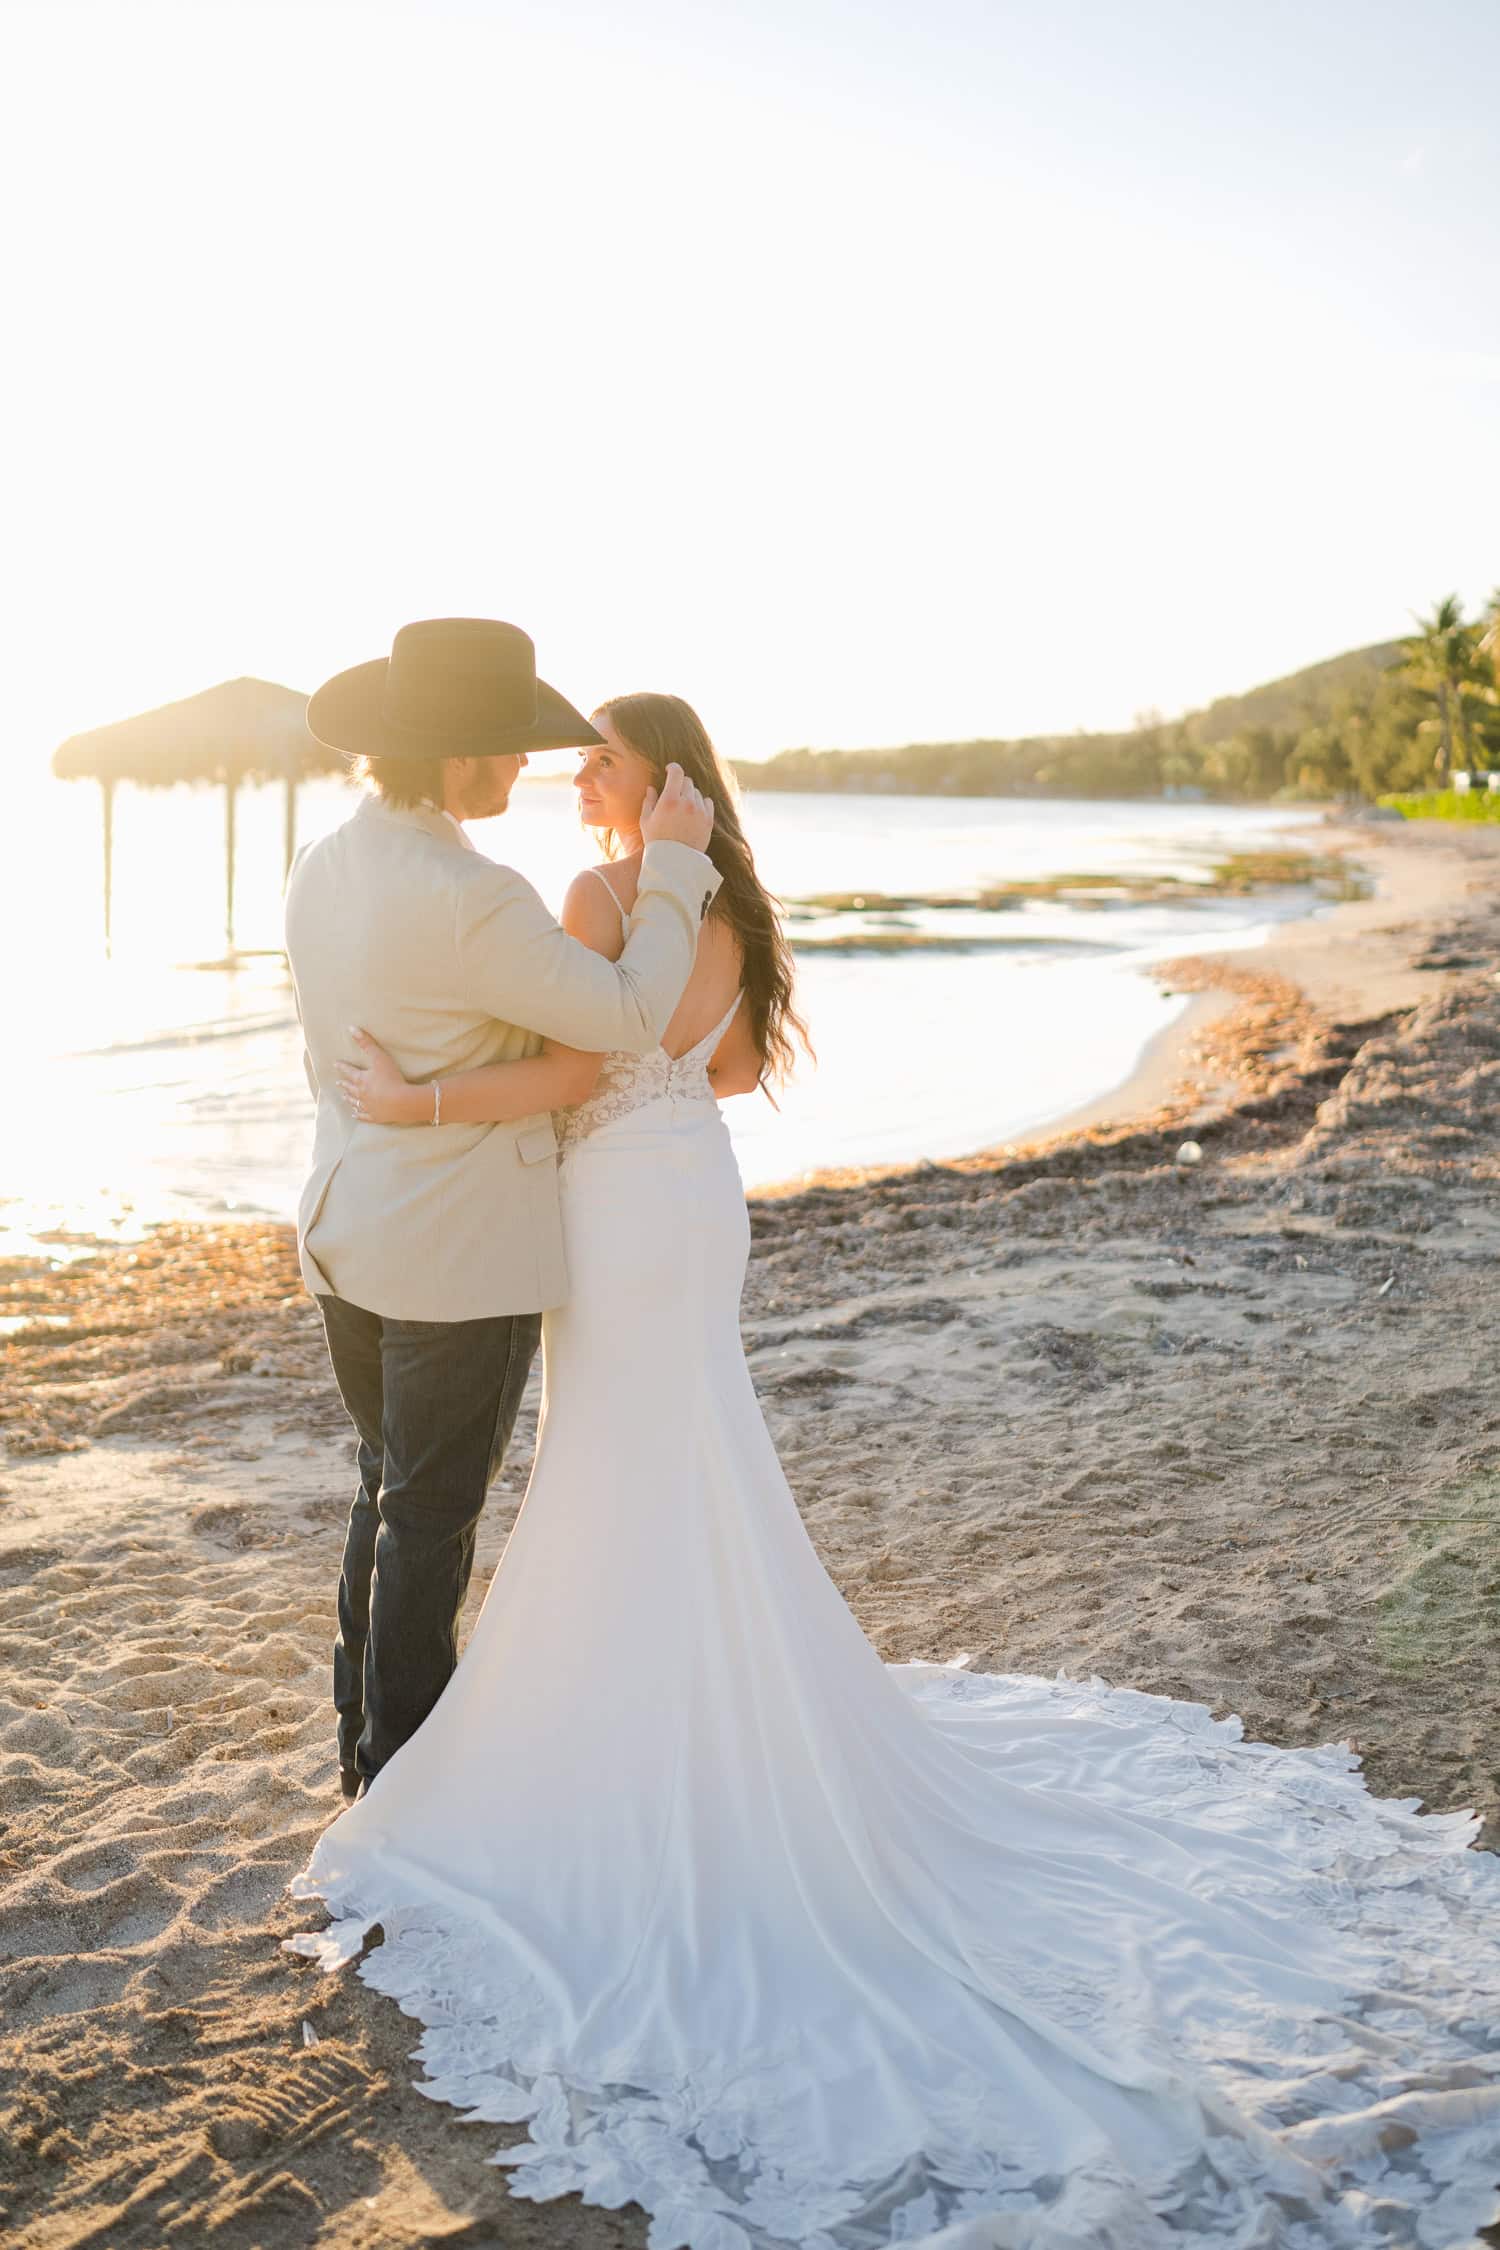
(691, 877)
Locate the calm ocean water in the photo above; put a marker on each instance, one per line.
(146, 1086)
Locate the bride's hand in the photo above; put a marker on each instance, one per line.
(375, 1089)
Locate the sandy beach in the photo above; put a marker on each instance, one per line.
(1217, 1430)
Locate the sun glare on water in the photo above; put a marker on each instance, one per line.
(160, 1079)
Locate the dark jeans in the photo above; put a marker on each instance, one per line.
(434, 1403)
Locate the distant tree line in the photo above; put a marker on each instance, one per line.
(1401, 715)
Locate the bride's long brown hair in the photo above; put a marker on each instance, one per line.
(664, 731)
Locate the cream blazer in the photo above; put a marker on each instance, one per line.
(397, 924)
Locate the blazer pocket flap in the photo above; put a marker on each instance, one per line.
(534, 1142)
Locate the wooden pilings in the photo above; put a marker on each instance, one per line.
(231, 779)
(231, 787)
(107, 796)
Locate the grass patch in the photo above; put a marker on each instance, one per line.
(1256, 871)
(1445, 804)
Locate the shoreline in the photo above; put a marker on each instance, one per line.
(1216, 1432)
(1192, 1068)
(1316, 953)
(181, 1102)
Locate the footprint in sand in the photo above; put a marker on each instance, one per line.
(93, 1867)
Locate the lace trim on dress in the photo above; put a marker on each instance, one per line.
(627, 1082)
(1304, 2133)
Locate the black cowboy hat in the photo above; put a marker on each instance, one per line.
(452, 687)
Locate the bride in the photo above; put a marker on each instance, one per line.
(792, 1946)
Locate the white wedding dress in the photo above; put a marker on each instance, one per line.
(793, 1946)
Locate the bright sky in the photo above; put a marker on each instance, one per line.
(861, 370)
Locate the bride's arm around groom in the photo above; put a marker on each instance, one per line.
(397, 925)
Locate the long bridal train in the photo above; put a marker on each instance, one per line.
(791, 1946)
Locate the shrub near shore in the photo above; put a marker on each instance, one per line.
(1445, 804)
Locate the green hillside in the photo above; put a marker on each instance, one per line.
(1386, 717)
(1299, 699)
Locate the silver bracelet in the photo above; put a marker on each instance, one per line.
(437, 1101)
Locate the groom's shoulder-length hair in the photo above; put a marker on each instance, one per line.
(401, 781)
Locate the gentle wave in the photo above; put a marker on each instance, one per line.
(188, 1035)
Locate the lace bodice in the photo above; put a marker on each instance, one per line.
(627, 1082)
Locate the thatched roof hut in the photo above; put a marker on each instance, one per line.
(250, 730)
(240, 731)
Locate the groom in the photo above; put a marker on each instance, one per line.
(434, 1250)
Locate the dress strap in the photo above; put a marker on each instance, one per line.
(614, 894)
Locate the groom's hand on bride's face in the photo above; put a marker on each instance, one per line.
(678, 813)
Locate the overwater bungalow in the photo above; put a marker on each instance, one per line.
(243, 731)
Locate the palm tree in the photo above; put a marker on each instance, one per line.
(1441, 660)
(1489, 638)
